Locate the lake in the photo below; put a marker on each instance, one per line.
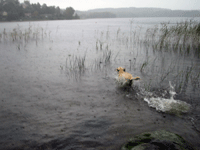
(58, 84)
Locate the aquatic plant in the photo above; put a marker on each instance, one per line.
(75, 64)
(23, 35)
(107, 56)
(182, 38)
(144, 65)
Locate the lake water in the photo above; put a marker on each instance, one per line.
(58, 84)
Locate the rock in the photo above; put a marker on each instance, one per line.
(158, 140)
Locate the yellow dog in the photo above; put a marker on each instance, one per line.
(125, 78)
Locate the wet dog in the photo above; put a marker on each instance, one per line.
(125, 78)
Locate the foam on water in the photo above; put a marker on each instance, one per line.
(168, 105)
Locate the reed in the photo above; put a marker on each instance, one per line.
(107, 56)
(143, 66)
(25, 35)
(182, 38)
(75, 64)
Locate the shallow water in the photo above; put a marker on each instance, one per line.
(44, 105)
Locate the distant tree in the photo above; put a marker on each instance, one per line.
(13, 9)
(35, 14)
(101, 15)
(27, 3)
(9, 7)
(28, 9)
(44, 9)
(20, 11)
(57, 12)
(17, 11)
(69, 12)
(36, 7)
(1, 6)
(76, 16)
(51, 10)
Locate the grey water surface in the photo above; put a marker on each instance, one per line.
(45, 103)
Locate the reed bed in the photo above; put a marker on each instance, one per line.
(24, 35)
(182, 38)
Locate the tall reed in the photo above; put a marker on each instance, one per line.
(25, 35)
(182, 38)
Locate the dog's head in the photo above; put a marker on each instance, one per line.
(120, 70)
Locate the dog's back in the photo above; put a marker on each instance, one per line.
(125, 78)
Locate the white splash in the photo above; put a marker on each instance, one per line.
(168, 105)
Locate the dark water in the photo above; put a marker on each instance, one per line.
(44, 105)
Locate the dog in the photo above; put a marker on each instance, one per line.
(125, 78)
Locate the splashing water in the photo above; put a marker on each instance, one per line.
(168, 105)
(121, 81)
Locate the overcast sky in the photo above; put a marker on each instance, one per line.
(92, 4)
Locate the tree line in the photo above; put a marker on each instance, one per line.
(88, 14)
(14, 10)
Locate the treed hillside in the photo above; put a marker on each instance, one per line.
(13, 10)
(137, 12)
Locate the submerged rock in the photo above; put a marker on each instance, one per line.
(158, 140)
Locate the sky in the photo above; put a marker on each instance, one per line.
(84, 5)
